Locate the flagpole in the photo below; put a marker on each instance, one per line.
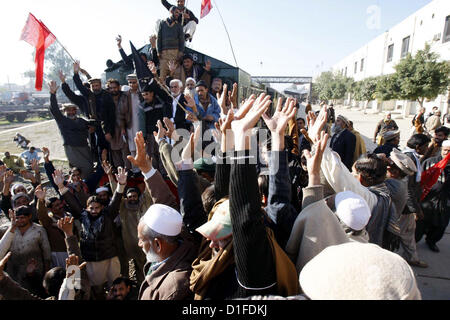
(226, 30)
(65, 49)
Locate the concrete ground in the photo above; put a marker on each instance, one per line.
(434, 281)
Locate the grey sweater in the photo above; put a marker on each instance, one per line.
(170, 36)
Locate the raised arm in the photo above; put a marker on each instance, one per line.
(114, 206)
(42, 211)
(54, 109)
(77, 80)
(75, 208)
(253, 255)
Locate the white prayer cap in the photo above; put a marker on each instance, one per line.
(14, 187)
(126, 88)
(164, 220)
(446, 143)
(101, 189)
(352, 209)
(358, 271)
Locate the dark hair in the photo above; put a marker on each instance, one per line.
(23, 211)
(371, 168)
(201, 83)
(443, 130)
(113, 81)
(300, 118)
(75, 169)
(53, 280)
(130, 190)
(120, 280)
(209, 198)
(418, 140)
(93, 199)
(49, 203)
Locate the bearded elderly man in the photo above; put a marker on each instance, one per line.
(75, 133)
(343, 142)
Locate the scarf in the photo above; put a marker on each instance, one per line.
(417, 158)
(92, 226)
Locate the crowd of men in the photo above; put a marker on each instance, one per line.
(178, 192)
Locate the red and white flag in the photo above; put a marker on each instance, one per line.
(206, 8)
(431, 176)
(37, 34)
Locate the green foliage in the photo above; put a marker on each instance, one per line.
(387, 87)
(57, 59)
(422, 76)
(365, 90)
(329, 86)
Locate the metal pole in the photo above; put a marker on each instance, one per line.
(65, 50)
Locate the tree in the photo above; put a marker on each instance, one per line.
(329, 86)
(58, 59)
(422, 76)
(387, 87)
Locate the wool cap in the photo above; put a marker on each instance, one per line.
(358, 271)
(390, 135)
(164, 220)
(344, 119)
(404, 162)
(352, 209)
(446, 144)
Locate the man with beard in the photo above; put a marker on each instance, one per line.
(119, 146)
(186, 18)
(216, 86)
(343, 141)
(170, 43)
(436, 205)
(188, 69)
(178, 115)
(98, 236)
(120, 289)
(208, 106)
(75, 133)
(384, 125)
(190, 87)
(101, 108)
(434, 148)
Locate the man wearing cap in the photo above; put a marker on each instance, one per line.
(343, 141)
(207, 105)
(186, 18)
(384, 125)
(75, 133)
(119, 145)
(190, 87)
(399, 168)
(170, 43)
(436, 205)
(391, 141)
(101, 108)
(30, 251)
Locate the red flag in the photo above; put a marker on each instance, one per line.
(206, 8)
(431, 176)
(37, 34)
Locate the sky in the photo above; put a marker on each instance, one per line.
(271, 38)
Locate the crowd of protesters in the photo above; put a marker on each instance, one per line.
(178, 192)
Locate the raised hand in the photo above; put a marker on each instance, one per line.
(172, 66)
(142, 159)
(12, 218)
(248, 116)
(152, 67)
(119, 41)
(191, 103)
(161, 131)
(53, 87)
(28, 176)
(58, 178)
(76, 67)
(40, 192)
(121, 176)
(61, 76)
(316, 124)
(208, 65)
(227, 136)
(221, 100)
(73, 260)
(35, 165)
(278, 123)
(8, 178)
(3, 264)
(107, 167)
(66, 225)
(313, 162)
(171, 133)
(233, 96)
(46, 153)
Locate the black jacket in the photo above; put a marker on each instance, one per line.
(344, 144)
(166, 4)
(414, 192)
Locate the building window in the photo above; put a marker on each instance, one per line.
(356, 66)
(390, 53)
(405, 47)
(446, 36)
(362, 65)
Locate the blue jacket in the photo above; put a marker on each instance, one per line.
(213, 109)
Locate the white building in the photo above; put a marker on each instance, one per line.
(378, 57)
